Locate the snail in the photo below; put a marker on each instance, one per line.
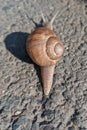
(45, 49)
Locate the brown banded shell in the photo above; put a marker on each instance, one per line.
(43, 43)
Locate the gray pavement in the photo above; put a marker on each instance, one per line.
(22, 104)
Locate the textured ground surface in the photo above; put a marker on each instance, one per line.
(22, 105)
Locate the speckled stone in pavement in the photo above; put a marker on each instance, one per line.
(22, 105)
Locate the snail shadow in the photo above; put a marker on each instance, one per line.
(15, 43)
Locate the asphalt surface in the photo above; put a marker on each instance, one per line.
(22, 104)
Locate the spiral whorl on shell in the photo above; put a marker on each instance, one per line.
(45, 49)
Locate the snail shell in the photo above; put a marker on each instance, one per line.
(45, 49)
